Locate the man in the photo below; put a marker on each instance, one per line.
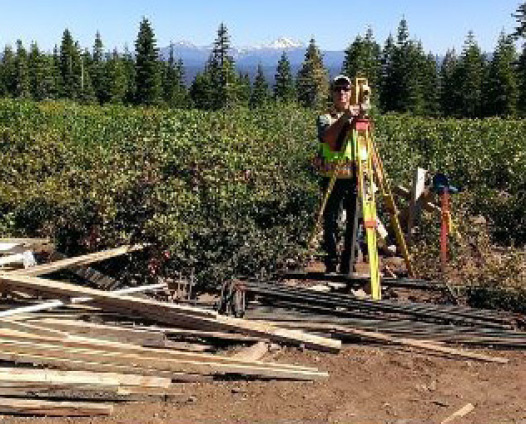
(336, 156)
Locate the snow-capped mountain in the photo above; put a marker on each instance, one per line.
(247, 58)
(285, 43)
(266, 54)
(281, 44)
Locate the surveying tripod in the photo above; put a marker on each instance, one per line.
(368, 167)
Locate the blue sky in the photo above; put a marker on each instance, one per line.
(438, 24)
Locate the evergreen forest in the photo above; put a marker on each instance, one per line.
(406, 79)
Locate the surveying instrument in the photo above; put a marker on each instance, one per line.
(370, 174)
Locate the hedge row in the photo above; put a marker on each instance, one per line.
(224, 193)
(220, 193)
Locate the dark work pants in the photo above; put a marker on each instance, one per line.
(343, 197)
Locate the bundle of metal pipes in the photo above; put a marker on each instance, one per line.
(347, 305)
(410, 283)
(335, 313)
(324, 324)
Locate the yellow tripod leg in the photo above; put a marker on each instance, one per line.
(390, 204)
(363, 157)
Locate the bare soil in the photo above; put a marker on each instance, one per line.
(367, 385)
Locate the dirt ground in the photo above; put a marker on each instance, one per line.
(367, 385)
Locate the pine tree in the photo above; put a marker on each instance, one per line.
(520, 16)
(116, 77)
(388, 87)
(201, 91)
(408, 60)
(41, 75)
(521, 78)
(34, 61)
(448, 88)
(430, 86)
(147, 69)
(244, 89)
(401, 66)
(183, 97)
(70, 67)
(312, 82)
(284, 89)
(260, 90)
(420, 82)
(87, 92)
(174, 90)
(520, 31)
(408, 77)
(130, 70)
(362, 59)
(221, 72)
(57, 73)
(500, 91)
(22, 82)
(97, 69)
(469, 77)
(8, 74)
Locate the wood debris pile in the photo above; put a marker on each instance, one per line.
(55, 360)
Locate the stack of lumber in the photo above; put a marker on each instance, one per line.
(131, 353)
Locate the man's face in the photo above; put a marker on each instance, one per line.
(341, 94)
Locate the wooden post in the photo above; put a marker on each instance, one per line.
(415, 204)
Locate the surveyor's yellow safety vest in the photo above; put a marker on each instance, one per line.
(330, 161)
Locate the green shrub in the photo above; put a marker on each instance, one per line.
(225, 193)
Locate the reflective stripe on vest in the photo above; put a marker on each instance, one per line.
(339, 161)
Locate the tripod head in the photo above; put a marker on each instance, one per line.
(361, 95)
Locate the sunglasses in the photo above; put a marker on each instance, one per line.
(344, 88)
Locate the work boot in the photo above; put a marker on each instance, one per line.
(345, 268)
(330, 267)
(345, 259)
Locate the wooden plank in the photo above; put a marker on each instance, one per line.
(110, 300)
(109, 378)
(18, 245)
(75, 365)
(103, 331)
(78, 261)
(427, 203)
(415, 203)
(145, 362)
(95, 277)
(420, 345)
(263, 330)
(256, 352)
(185, 316)
(94, 393)
(82, 394)
(9, 247)
(184, 346)
(219, 335)
(115, 347)
(272, 332)
(78, 389)
(462, 412)
(53, 408)
(30, 328)
(46, 379)
(26, 259)
(40, 390)
(53, 304)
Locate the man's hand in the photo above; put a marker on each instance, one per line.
(353, 111)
